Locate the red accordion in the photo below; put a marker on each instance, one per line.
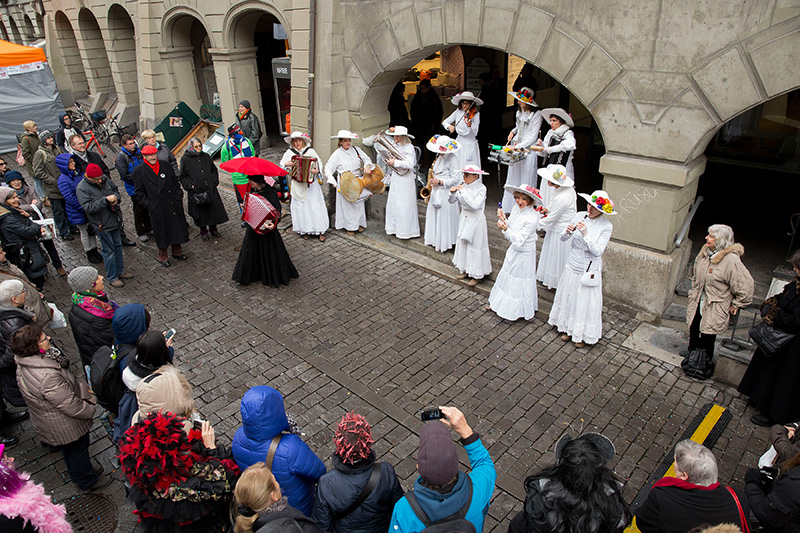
(258, 210)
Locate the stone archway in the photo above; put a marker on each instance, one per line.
(95, 57)
(40, 23)
(3, 31)
(186, 42)
(16, 36)
(30, 32)
(71, 65)
(122, 52)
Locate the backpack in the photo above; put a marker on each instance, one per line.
(455, 523)
(281, 525)
(107, 381)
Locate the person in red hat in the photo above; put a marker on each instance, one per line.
(99, 197)
(159, 191)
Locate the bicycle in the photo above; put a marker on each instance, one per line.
(97, 131)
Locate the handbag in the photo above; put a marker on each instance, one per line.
(590, 279)
(201, 198)
(769, 338)
(698, 364)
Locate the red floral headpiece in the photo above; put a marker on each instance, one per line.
(353, 438)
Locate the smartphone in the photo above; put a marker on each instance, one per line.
(198, 425)
(169, 334)
(431, 414)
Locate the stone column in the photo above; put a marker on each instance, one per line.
(180, 70)
(237, 79)
(300, 41)
(642, 265)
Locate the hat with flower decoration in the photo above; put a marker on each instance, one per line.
(601, 201)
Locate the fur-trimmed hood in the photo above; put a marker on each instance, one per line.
(734, 248)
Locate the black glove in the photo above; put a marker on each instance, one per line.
(753, 475)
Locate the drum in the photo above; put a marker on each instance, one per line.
(257, 210)
(352, 187)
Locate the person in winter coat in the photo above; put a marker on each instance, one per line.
(249, 124)
(68, 182)
(45, 168)
(20, 237)
(29, 143)
(262, 505)
(199, 178)
(91, 313)
(692, 498)
(786, 442)
(128, 158)
(34, 300)
(158, 190)
(295, 466)
(165, 389)
(24, 505)
(578, 494)
(398, 113)
(721, 285)
(776, 507)
(441, 490)
(12, 317)
(165, 155)
(355, 464)
(184, 487)
(61, 407)
(65, 133)
(770, 381)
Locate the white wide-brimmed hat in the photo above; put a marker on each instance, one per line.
(565, 117)
(345, 134)
(600, 200)
(473, 169)
(556, 174)
(298, 135)
(527, 190)
(524, 95)
(398, 130)
(442, 144)
(466, 95)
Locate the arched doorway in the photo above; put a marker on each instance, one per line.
(30, 32)
(123, 53)
(188, 61)
(3, 31)
(70, 56)
(267, 36)
(94, 54)
(40, 23)
(16, 36)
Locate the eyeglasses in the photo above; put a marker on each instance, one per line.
(46, 338)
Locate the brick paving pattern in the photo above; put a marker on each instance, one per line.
(363, 331)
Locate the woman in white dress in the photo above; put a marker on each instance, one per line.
(441, 217)
(471, 256)
(309, 213)
(559, 215)
(466, 125)
(578, 306)
(514, 293)
(350, 216)
(524, 135)
(559, 145)
(402, 219)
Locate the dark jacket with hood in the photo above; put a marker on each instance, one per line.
(44, 168)
(91, 332)
(61, 137)
(295, 466)
(340, 487)
(125, 163)
(21, 236)
(11, 319)
(67, 183)
(102, 216)
(129, 323)
(251, 127)
(778, 510)
(280, 516)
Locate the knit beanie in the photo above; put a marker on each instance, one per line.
(14, 175)
(245, 104)
(5, 192)
(46, 134)
(82, 278)
(437, 459)
(93, 171)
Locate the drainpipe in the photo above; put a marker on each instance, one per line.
(312, 53)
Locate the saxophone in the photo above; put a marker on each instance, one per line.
(425, 192)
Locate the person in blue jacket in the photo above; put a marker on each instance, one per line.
(67, 182)
(296, 468)
(442, 490)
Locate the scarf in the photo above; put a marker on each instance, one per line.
(93, 303)
(32, 504)
(82, 155)
(238, 145)
(681, 484)
(56, 355)
(155, 168)
(561, 130)
(278, 506)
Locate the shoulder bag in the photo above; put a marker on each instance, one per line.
(201, 198)
(365, 492)
(769, 338)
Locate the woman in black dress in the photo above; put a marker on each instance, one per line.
(263, 256)
(770, 381)
(199, 178)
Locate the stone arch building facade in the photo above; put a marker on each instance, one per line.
(659, 79)
(21, 21)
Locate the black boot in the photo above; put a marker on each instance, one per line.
(94, 256)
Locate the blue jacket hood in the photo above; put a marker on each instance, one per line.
(62, 162)
(438, 506)
(129, 323)
(263, 414)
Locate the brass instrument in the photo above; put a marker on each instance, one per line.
(425, 192)
(381, 140)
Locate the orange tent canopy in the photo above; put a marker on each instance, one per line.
(15, 54)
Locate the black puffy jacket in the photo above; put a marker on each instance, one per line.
(20, 232)
(778, 511)
(90, 332)
(340, 487)
(11, 319)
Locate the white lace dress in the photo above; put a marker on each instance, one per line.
(310, 215)
(470, 153)
(472, 244)
(441, 216)
(555, 252)
(349, 215)
(526, 133)
(402, 218)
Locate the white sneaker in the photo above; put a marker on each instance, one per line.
(143, 238)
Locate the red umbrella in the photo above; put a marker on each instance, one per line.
(253, 166)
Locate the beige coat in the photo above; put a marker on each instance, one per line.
(54, 398)
(724, 281)
(165, 390)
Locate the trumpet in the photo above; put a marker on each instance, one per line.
(393, 152)
(425, 192)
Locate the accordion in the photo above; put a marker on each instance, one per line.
(301, 170)
(257, 211)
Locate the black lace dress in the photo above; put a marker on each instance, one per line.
(264, 257)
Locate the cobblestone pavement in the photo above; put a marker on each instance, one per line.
(363, 331)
